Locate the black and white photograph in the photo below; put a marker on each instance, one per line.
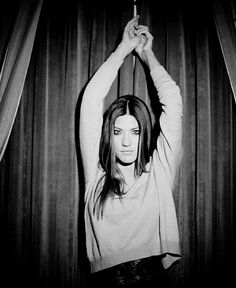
(117, 143)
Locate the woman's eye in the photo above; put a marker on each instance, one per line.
(136, 132)
(117, 132)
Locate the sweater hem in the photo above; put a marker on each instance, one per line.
(133, 254)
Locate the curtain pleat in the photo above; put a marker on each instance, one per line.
(55, 173)
(41, 173)
(203, 195)
(227, 36)
(15, 65)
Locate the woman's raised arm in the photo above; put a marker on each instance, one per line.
(91, 113)
(169, 142)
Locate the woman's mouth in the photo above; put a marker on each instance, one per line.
(127, 152)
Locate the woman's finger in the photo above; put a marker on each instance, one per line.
(144, 32)
(132, 22)
(142, 27)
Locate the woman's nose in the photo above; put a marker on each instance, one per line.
(126, 140)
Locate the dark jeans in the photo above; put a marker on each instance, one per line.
(142, 273)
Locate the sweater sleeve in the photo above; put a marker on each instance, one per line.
(91, 113)
(169, 142)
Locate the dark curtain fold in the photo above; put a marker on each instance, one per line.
(41, 175)
(225, 28)
(15, 54)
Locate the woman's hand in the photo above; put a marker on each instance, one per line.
(144, 47)
(137, 37)
(145, 44)
(130, 37)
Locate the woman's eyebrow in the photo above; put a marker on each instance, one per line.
(134, 128)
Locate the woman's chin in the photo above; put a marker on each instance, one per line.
(126, 161)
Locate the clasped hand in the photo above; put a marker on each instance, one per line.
(137, 37)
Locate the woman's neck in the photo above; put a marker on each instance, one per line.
(128, 173)
(126, 169)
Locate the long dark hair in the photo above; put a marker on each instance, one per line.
(113, 180)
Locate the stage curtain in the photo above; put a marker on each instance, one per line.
(227, 37)
(15, 52)
(41, 175)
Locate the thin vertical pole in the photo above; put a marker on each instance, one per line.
(134, 14)
(134, 58)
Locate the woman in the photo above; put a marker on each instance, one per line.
(130, 219)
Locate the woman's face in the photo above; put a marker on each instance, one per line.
(126, 138)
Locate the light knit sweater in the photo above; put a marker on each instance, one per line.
(143, 223)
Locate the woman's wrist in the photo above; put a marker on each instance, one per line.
(123, 50)
(150, 59)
